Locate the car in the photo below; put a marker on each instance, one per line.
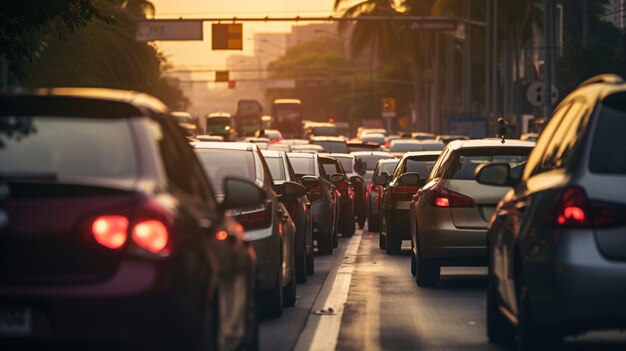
(269, 227)
(323, 196)
(113, 233)
(556, 244)
(363, 131)
(377, 138)
(261, 143)
(331, 144)
(400, 146)
(299, 209)
(355, 171)
(357, 145)
(279, 147)
(375, 192)
(395, 199)
(338, 177)
(207, 138)
(273, 135)
(423, 136)
(369, 160)
(321, 129)
(449, 215)
(292, 142)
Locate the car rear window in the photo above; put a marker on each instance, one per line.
(420, 165)
(371, 160)
(325, 131)
(332, 146)
(220, 163)
(66, 147)
(609, 145)
(331, 168)
(463, 163)
(302, 165)
(277, 167)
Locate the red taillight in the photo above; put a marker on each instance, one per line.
(315, 193)
(343, 186)
(151, 235)
(221, 235)
(261, 218)
(571, 209)
(442, 197)
(110, 231)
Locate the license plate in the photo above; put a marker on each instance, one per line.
(15, 321)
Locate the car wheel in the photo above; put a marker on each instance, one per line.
(382, 241)
(310, 264)
(530, 334)
(413, 264)
(289, 291)
(499, 329)
(325, 244)
(349, 229)
(394, 246)
(372, 224)
(272, 301)
(210, 334)
(361, 221)
(301, 266)
(427, 273)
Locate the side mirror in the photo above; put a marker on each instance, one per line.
(292, 190)
(310, 182)
(381, 180)
(409, 179)
(356, 180)
(239, 193)
(497, 174)
(337, 178)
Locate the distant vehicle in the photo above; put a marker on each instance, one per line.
(184, 117)
(206, 138)
(369, 159)
(115, 236)
(262, 143)
(287, 114)
(400, 146)
(295, 141)
(378, 138)
(220, 123)
(323, 196)
(279, 147)
(272, 135)
(331, 144)
(307, 148)
(446, 139)
(449, 216)
(362, 131)
(269, 228)
(422, 136)
(355, 145)
(320, 129)
(339, 178)
(248, 118)
(354, 171)
(375, 192)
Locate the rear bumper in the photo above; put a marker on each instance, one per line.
(140, 306)
(575, 287)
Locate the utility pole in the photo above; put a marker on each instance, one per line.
(435, 108)
(548, 34)
(467, 61)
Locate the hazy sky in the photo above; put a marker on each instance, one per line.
(200, 53)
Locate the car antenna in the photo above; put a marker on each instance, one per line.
(501, 129)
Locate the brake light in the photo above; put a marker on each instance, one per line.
(110, 231)
(315, 193)
(151, 235)
(343, 186)
(260, 218)
(442, 197)
(574, 210)
(221, 235)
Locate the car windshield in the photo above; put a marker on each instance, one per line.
(464, 164)
(66, 147)
(219, 164)
(277, 167)
(302, 165)
(370, 160)
(346, 163)
(332, 146)
(218, 121)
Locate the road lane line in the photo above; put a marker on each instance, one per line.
(322, 331)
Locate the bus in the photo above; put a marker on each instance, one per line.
(220, 123)
(287, 114)
(248, 117)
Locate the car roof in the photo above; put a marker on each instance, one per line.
(371, 153)
(272, 153)
(328, 138)
(406, 141)
(341, 155)
(225, 146)
(137, 99)
(301, 154)
(495, 142)
(421, 153)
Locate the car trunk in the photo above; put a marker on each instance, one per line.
(46, 238)
(485, 200)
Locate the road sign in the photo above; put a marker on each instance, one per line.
(389, 107)
(535, 94)
(150, 30)
(227, 36)
(222, 76)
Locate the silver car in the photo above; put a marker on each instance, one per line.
(449, 215)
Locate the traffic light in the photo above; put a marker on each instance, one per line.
(222, 76)
(227, 36)
(231, 84)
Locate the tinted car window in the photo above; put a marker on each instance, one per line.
(464, 162)
(66, 147)
(609, 145)
(325, 131)
(219, 164)
(277, 167)
(332, 146)
(346, 163)
(421, 166)
(303, 165)
(388, 167)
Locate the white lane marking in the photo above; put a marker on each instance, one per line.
(322, 330)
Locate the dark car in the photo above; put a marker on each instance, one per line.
(394, 206)
(112, 233)
(355, 171)
(375, 192)
(556, 244)
(337, 176)
(323, 196)
(269, 227)
(299, 209)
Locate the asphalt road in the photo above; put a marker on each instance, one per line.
(377, 306)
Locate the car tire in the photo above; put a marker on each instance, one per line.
(427, 273)
(372, 224)
(382, 241)
(361, 221)
(210, 332)
(499, 329)
(289, 291)
(394, 246)
(272, 300)
(301, 264)
(349, 229)
(325, 244)
(530, 334)
(310, 264)
(413, 264)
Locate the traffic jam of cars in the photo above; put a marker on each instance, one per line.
(111, 210)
